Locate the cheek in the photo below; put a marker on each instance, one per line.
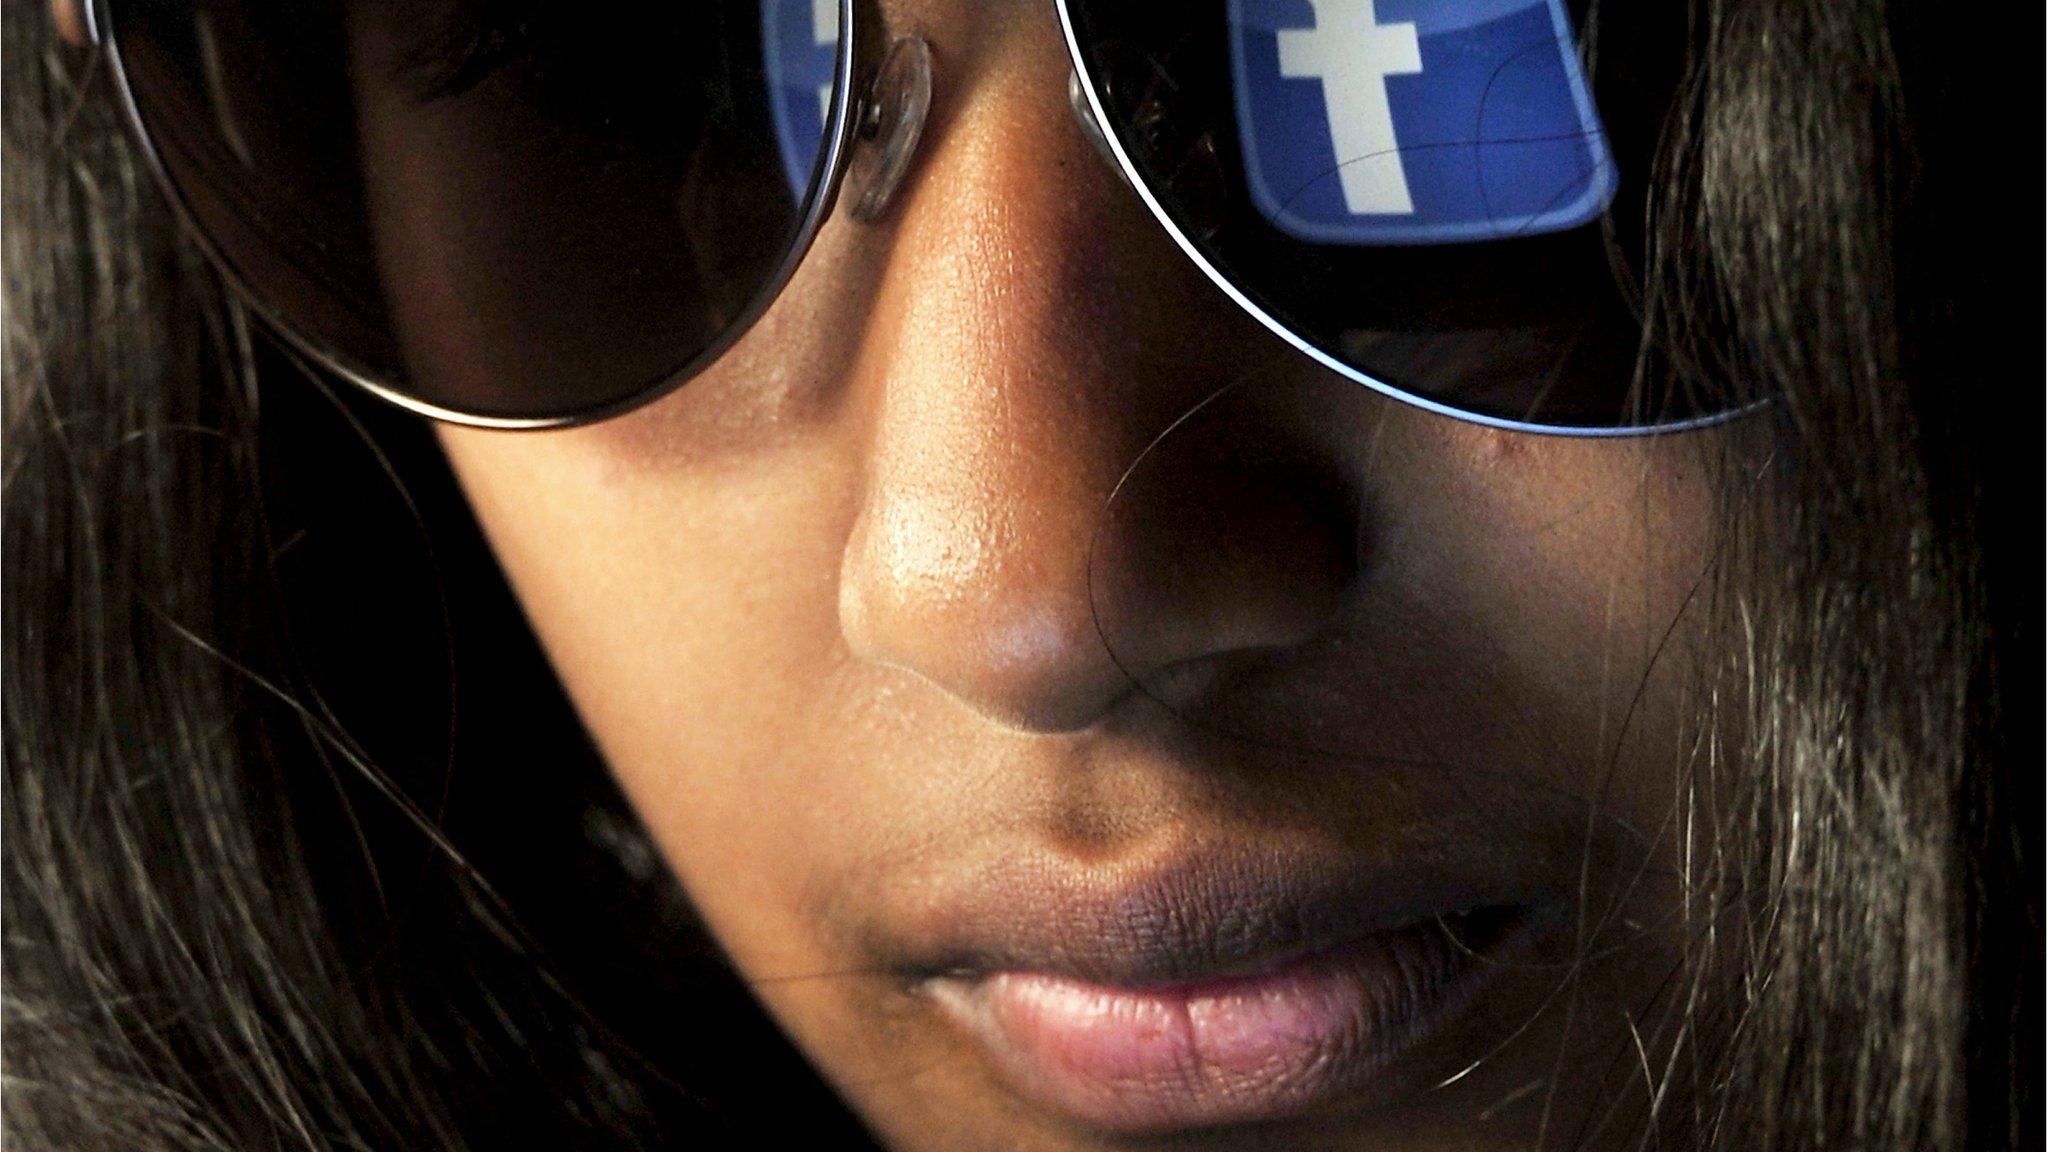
(691, 616)
(1567, 568)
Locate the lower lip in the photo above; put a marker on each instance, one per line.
(1231, 1050)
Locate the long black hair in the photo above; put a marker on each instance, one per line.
(303, 847)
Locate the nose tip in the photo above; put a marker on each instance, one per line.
(1039, 574)
(970, 598)
(1041, 606)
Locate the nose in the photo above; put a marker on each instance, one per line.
(1032, 334)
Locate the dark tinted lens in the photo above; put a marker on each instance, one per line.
(1434, 193)
(517, 209)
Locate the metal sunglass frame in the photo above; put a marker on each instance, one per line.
(1105, 137)
(843, 125)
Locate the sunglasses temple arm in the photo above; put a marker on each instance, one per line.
(1077, 99)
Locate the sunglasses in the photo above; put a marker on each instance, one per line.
(522, 213)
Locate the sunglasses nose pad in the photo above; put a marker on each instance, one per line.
(891, 123)
(1077, 99)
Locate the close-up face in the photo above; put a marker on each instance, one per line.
(1085, 720)
(1065, 575)
(1113, 653)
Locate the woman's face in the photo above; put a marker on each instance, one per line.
(1068, 762)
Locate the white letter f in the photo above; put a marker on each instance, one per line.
(1352, 53)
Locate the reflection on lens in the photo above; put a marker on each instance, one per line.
(1424, 191)
(512, 209)
(800, 45)
(1416, 123)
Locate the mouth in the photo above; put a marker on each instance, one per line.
(1217, 992)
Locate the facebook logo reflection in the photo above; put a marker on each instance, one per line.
(800, 50)
(1416, 121)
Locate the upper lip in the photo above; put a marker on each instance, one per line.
(1221, 911)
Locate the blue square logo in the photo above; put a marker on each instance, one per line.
(800, 49)
(1416, 121)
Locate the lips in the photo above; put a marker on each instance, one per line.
(1222, 988)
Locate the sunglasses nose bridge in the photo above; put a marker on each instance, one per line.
(888, 126)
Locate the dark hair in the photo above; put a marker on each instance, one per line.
(249, 808)
(1867, 897)
(270, 882)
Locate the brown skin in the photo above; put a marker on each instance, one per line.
(830, 612)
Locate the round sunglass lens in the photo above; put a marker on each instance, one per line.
(1441, 198)
(513, 210)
